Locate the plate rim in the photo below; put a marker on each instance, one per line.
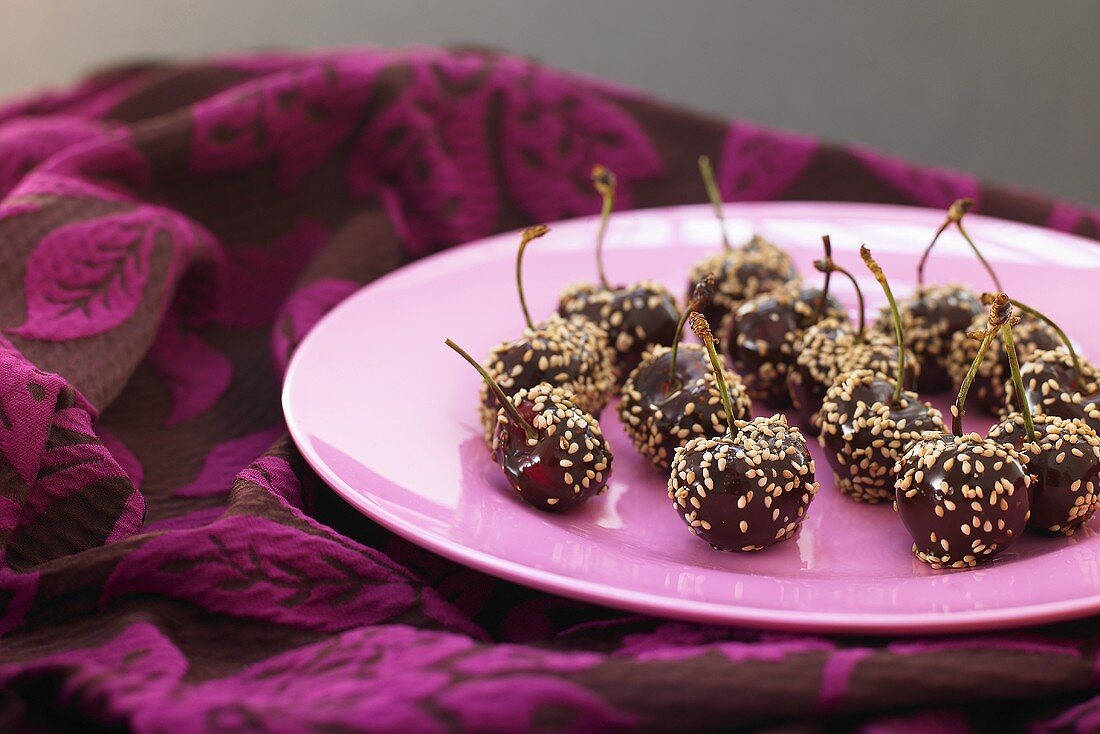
(652, 604)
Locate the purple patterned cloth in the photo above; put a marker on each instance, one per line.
(170, 232)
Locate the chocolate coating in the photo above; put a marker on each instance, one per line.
(1065, 461)
(566, 464)
(988, 389)
(1052, 386)
(660, 418)
(748, 492)
(570, 353)
(930, 318)
(864, 432)
(635, 317)
(742, 273)
(830, 348)
(963, 499)
(761, 336)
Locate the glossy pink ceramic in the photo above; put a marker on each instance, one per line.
(387, 415)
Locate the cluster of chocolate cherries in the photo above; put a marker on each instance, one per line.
(742, 483)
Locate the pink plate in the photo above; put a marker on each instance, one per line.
(387, 415)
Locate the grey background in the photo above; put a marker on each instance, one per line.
(1008, 89)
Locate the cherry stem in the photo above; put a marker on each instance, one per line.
(1000, 313)
(700, 298)
(715, 196)
(955, 214)
(531, 233)
(1058, 330)
(830, 265)
(1017, 380)
(880, 276)
(979, 255)
(927, 252)
(828, 243)
(701, 328)
(604, 181)
(509, 407)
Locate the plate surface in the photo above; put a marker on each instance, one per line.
(387, 415)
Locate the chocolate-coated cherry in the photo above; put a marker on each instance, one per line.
(990, 391)
(635, 317)
(741, 272)
(964, 498)
(761, 336)
(1064, 458)
(746, 489)
(1055, 381)
(869, 420)
(673, 395)
(934, 314)
(570, 353)
(830, 348)
(551, 452)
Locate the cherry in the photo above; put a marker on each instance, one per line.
(990, 392)
(830, 348)
(763, 332)
(673, 396)
(741, 272)
(570, 353)
(748, 488)
(932, 315)
(551, 452)
(961, 497)
(635, 317)
(1064, 458)
(1055, 381)
(869, 419)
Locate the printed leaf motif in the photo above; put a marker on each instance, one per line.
(225, 460)
(759, 164)
(296, 117)
(138, 666)
(76, 466)
(302, 310)
(274, 474)
(196, 373)
(934, 187)
(28, 399)
(91, 276)
(250, 567)
(552, 133)
(25, 143)
(427, 155)
(252, 281)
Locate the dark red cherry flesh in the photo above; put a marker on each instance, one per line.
(565, 463)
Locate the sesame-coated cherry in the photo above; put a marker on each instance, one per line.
(963, 498)
(869, 420)
(1058, 383)
(990, 383)
(570, 353)
(934, 314)
(830, 348)
(550, 451)
(742, 272)
(673, 395)
(761, 336)
(1064, 458)
(1055, 381)
(748, 488)
(635, 317)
